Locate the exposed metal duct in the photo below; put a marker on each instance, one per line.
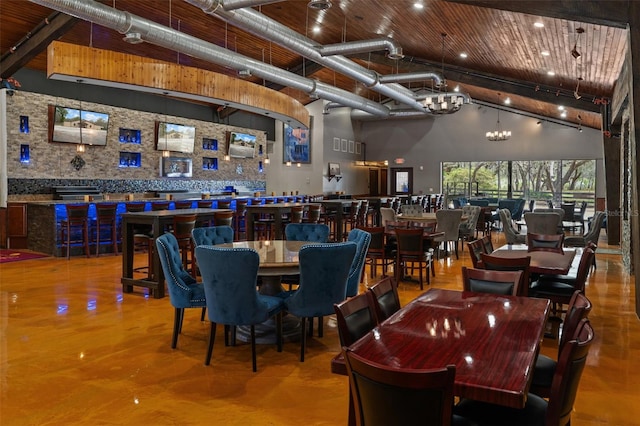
(262, 26)
(394, 51)
(411, 76)
(152, 32)
(239, 4)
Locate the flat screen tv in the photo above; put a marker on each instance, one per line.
(175, 137)
(73, 125)
(241, 145)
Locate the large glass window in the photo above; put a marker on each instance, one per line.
(542, 181)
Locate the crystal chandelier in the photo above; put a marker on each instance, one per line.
(498, 134)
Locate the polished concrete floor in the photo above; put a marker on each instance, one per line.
(75, 350)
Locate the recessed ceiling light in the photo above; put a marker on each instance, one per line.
(456, 89)
(538, 25)
(316, 29)
(418, 5)
(564, 114)
(545, 53)
(507, 101)
(463, 55)
(551, 72)
(560, 108)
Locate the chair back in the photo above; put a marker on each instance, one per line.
(362, 240)
(545, 242)
(583, 268)
(384, 298)
(212, 235)
(224, 204)
(314, 232)
(313, 214)
(487, 243)
(511, 235)
(204, 204)
(296, 214)
(324, 269)
(183, 204)
(542, 222)
(476, 248)
(229, 276)
(411, 209)
(387, 214)
(77, 214)
(183, 224)
(355, 317)
(159, 205)
(568, 210)
(106, 211)
(384, 395)
(578, 309)
(223, 218)
(489, 281)
(449, 223)
(469, 226)
(566, 378)
(178, 279)
(596, 226)
(496, 263)
(134, 207)
(410, 242)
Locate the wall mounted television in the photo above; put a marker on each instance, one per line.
(175, 167)
(74, 125)
(241, 145)
(175, 137)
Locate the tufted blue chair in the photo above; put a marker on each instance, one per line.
(324, 269)
(209, 236)
(184, 292)
(230, 276)
(312, 232)
(362, 240)
(315, 232)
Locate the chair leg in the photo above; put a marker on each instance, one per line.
(181, 320)
(177, 322)
(279, 331)
(253, 348)
(303, 337)
(320, 326)
(212, 338)
(202, 314)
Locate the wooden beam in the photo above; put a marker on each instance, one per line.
(612, 13)
(35, 42)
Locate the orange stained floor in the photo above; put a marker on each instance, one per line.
(75, 350)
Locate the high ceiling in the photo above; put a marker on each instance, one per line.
(505, 49)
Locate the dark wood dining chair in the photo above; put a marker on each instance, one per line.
(384, 298)
(411, 251)
(545, 242)
(510, 264)
(488, 281)
(476, 248)
(385, 395)
(379, 252)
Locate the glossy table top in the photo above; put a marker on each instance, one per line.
(542, 262)
(273, 253)
(492, 340)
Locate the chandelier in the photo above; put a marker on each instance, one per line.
(443, 102)
(498, 134)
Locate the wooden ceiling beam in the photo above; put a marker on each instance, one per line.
(35, 42)
(614, 13)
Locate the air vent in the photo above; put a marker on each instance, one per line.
(319, 4)
(133, 38)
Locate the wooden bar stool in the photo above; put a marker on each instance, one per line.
(106, 219)
(183, 204)
(182, 226)
(223, 219)
(239, 221)
(76, 222)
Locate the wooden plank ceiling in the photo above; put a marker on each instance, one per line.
(505, 51)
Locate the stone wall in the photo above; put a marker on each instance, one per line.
(50, 163)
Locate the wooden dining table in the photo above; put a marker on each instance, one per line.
(158, 220)
(493, 341)
(542, 262)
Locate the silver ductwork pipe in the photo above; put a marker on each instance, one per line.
(240, 4)
(410, 77)
(262, 26)
(154, 33)
(394, 51)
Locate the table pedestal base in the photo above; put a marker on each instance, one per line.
(266, 332)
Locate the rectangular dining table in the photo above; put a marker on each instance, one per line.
(542, 262)
(158, 220)
(493, 340)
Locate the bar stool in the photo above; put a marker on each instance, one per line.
(223, 219)
(106, 218)
(204, 204)
(313, 215)
(142, 236)
(239, 222)
(77, 221)
(224, 204)
(182, 226)
(183, 204)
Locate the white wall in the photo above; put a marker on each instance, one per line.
(461, 137)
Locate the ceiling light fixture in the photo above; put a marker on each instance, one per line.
(551, 73)
(574, 51)
(545, 53)
(498, 134)
(443, 102)
(418, 5)
(463, 55)
(538, 24)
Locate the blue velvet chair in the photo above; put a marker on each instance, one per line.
(184, 291)
(209, 236)
(315, 232)
(312, 232)
(362, 240)
(229, 276)
(324, 269)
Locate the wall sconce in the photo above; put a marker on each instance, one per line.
(298, 165)
(80, 148)
(266, 160)
(288, 164)
(166, 154)
(227, 157)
